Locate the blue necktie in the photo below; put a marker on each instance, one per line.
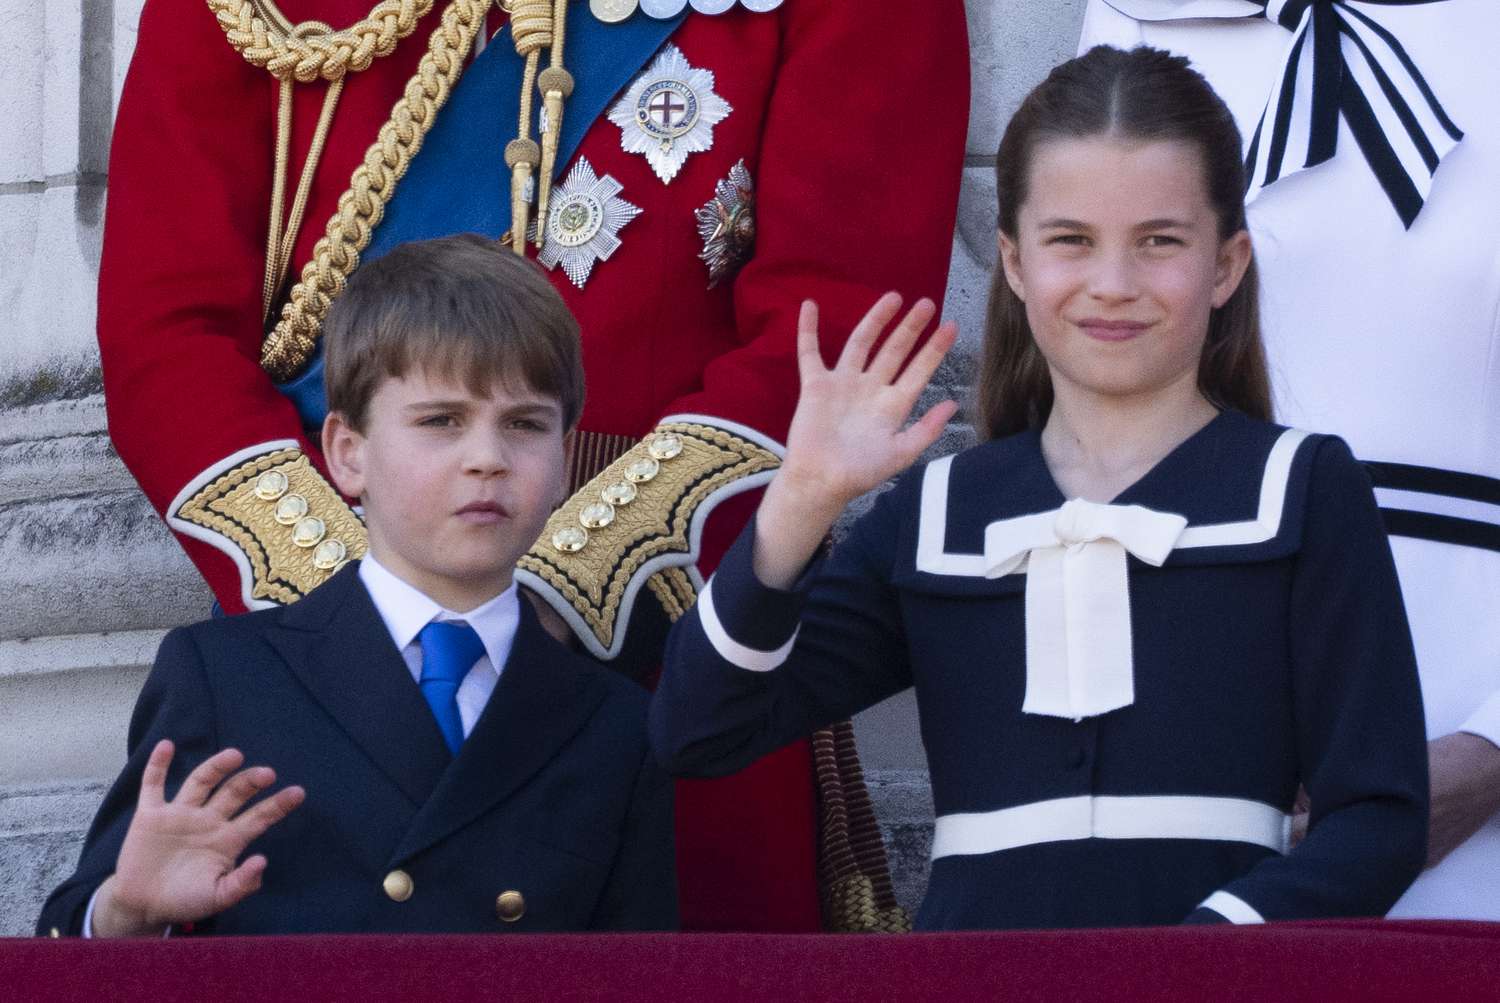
(449, 651)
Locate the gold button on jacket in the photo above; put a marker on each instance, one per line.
(510, 906)
(398, 885)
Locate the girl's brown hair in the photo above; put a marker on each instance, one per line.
(1140, 94)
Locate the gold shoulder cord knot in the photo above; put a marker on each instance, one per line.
(262, 34)
(330, 55)
(302, 53)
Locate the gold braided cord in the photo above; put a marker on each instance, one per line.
(304, 185)
(290, 344)
(305, 52)
(853, 873)
(662, 589)
(279, 244)
(278, 197)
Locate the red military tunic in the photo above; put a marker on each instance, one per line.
(850, 118)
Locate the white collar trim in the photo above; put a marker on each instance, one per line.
(932, 526)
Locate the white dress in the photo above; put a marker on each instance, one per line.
(1389, 337)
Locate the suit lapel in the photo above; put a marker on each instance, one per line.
(541, 701)
(338, 646)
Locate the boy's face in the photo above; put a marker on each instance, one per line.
(455, 487)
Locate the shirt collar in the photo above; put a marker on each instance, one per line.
(406, 610)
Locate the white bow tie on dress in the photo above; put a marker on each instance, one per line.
(1079, 660)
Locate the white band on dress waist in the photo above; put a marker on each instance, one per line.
(1146, 817)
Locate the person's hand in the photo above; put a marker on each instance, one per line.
(180, 859)
(1464, 771)
(1464, 778)
(847, 436)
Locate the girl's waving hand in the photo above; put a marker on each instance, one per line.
(849, 433)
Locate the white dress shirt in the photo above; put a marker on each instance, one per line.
(406, 610)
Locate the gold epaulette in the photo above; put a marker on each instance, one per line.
(282, 523)
(638, 524)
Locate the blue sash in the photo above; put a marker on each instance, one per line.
(458, 181)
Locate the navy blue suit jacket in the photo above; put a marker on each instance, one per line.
(554, 794)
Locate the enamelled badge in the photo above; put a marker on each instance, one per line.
(669, 112)
(584, 221)
(726, 223)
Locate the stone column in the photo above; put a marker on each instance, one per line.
(77, 539)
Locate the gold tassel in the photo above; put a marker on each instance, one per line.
(536, 25)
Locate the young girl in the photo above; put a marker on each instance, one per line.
(1136, 618)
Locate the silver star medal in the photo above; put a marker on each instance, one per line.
(584, 221)
(669, 112)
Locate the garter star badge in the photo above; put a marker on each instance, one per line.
(584, 221)
(669, 112)
(726, 223)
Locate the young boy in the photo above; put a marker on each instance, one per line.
(461, 770)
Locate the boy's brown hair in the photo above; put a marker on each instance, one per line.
(463, 308)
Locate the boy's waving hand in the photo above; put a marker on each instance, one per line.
(180, 859)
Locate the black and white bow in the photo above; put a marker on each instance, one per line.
(1339, 61)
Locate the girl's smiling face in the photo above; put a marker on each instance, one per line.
(1118, 259)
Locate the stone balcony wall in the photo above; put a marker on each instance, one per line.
(90, 579)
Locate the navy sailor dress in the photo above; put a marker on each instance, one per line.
(1118, 702)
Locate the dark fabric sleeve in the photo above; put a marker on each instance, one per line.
(750, 668)
(642, 889)
(175, 703)
(1204, 917)
(1358, 705)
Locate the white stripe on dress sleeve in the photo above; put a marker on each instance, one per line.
(1232, 908)
(731, 650)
